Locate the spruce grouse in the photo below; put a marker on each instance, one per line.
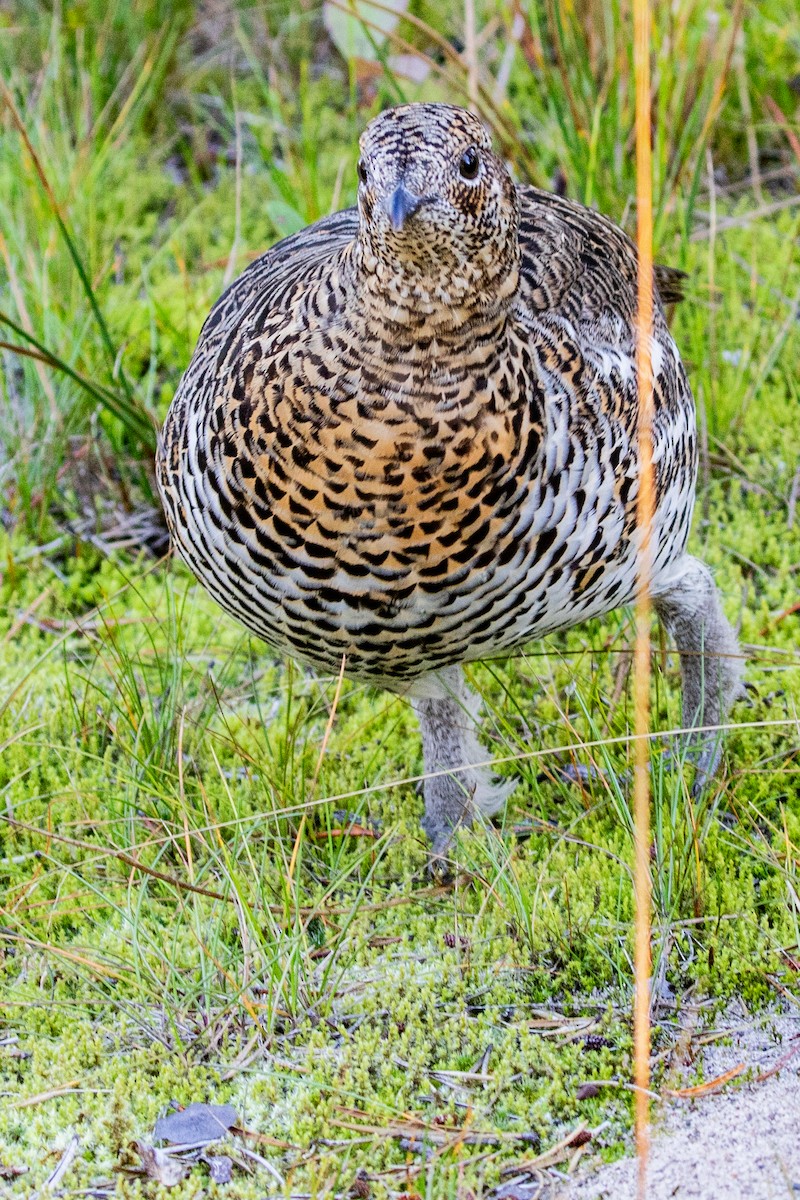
(408, 436)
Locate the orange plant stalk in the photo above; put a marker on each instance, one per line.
(644, 517)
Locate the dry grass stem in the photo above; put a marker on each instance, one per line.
(644, 517)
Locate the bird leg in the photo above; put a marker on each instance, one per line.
(711, 661)
(455, 786)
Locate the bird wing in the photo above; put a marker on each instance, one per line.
(273, 277)
(577, 261)
(579, 281)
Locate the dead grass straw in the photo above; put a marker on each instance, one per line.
(644, 518)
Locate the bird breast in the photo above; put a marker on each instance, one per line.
(344, 489)
(372, 469)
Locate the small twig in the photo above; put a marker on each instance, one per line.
(787, 612)
(782, 1061)
(764, 210)
(705, 1089)
(128, 859)
(63, 1089)
(623, 1084)
(554, 1155)
(66, 1161)
(263, 1162)
(791, 136)
(263, 1139)
(794, 493)
(24, 617)
(783, 174)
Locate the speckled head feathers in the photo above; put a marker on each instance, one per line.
(438, 211)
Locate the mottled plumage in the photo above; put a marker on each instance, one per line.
(408, 436)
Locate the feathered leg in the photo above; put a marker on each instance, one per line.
(711, 660)
(456, 787)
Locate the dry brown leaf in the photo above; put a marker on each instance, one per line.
(349, 831)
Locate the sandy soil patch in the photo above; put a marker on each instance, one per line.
(743, 1142)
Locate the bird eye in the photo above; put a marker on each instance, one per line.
(469, 164)
(362, 171)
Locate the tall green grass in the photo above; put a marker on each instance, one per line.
(132, 149)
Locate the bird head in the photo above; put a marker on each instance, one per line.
(438, 213)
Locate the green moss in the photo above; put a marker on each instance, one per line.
(370, 988)
(314, 978)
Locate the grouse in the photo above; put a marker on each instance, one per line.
(408, 438)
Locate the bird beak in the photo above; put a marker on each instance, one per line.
(401, 205)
